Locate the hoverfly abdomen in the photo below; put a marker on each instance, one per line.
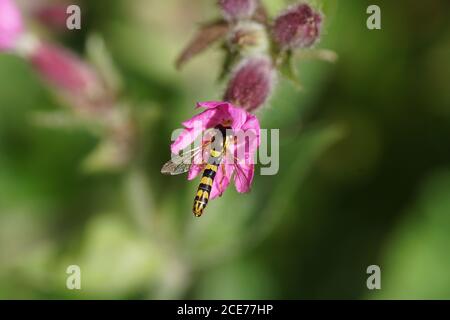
(209, 174)
(204, 189)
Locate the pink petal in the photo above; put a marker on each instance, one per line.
(252, 125)
(219, 115)
(194, 127)
(201, 121)
(198, 164)
(210, 104)
(244, 177)
(225, 112)
(237, 115)
(186, 138)
(195, 171)
(243, 151)
(222, 181)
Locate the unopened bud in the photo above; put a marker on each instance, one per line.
(252, 83)
(53, 16)
(72, 77)
(234, 10)
(298, 27)
(248, 38)
(11, 24)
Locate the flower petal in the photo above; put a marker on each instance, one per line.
(243, 149)
(238, 116)
(186, 137)
(252, 123)
(194, 127)
(244, 177)
(222, 181)
(198, 164)
(225, 112)
(194, 171)
(210, 104)
(200, 120)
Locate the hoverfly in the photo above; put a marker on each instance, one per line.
(218, 142)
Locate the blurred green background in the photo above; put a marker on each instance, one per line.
(364, 168)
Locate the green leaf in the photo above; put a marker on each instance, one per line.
(288, 68)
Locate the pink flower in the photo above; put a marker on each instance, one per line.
(237, 164)
(75, 79)
(52, 15)
(11, 24)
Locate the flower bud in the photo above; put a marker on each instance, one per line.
(248, 38)
(234, 10)
(11, 24)
(298, 27)
(53, 16)
(73, 78)
(252, 83)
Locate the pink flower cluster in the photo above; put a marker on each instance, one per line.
(75, 80)
(92, 97)
(255, 48)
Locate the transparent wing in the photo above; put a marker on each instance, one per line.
(181, 164)
(241, 176)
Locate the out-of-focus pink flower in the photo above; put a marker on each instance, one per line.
(298, 27)
(11, 24)
(53, 16)
(238, 160)
(238, 9)
(70, 75)
(251, 83)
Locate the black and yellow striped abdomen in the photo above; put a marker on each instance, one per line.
(204, 189)
(207, 181)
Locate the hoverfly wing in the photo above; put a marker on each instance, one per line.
(182, 164)
(172, 168)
